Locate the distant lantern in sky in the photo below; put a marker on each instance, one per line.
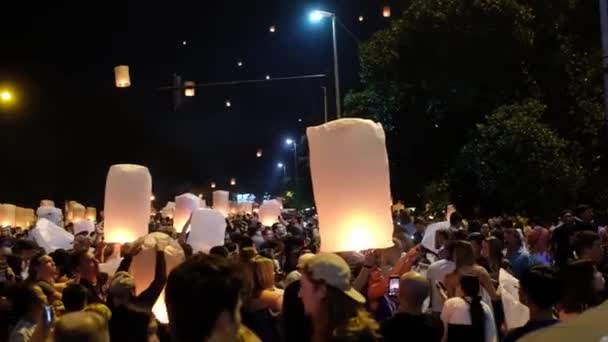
(121, 76)
(189, 88)
(386, 11)
(232, 181)
(259, 153)
(361, 18)
(272, 29)
(228, 103)
(127, 203)
(346, 222)
(267, 77)
(239, 63)
(184, 42)
(212, 185)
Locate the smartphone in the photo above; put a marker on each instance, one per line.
(48, 315)
(393, 286)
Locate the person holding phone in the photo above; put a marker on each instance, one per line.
(35, 316)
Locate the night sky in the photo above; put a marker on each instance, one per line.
(70, 123)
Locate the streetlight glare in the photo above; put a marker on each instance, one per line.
(288, 141)
(6, 96)
(280, 165)
(316, 16)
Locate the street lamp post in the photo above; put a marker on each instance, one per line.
(317, 16)
(291, 142)
(325, 102)
(282, 166)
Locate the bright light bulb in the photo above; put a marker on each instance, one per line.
(228, 104)
(6, 96)
(184, 42)
(316, 16)
(280, 165)
(152, 198)
(239, 63)
(288, 141)
(267, 77)
(361, 18)
(272, 29)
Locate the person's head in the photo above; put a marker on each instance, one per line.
(420, 223)
(442, 236)
(476, 240)
(268, 234)
(219, 251)
(74, 297)
(474, 226)
(469, 285)
(133, 324)
(61, 257)
(539, 288)
(584, 212)
(580, 286)
(491, 249)
(567, 216)
(539, 239)
(245, 242)
(512, 239)
(485, 230)
(203, 299)
(456, 220)
(247, 254)
(42, 267)
(25, 249)
(86, 265)
(82, 327)
(263, 273)
(463, 254)
(27, 301)
(413, 290)
(587, 246)
(122, 288)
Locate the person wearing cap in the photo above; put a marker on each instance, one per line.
(335, 308)
(409, 320)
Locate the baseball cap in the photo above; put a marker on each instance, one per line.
(334, 271)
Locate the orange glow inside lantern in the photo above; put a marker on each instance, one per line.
(347, 223)
(8, 213)
(91, 214)
(386, 11)
(221, 202)
(121, 75)
(189, 88)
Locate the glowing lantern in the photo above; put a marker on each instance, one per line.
(142, 267)
(51, 237)
(47, 203)
(20, 217)
(7, 215)
(212, 185)
(233, 181)
(50, 213)
(220, 202)
(78, 212)
(259, 153)
(361, 18)
(91, 214)
(121, 75)
(269, 212)
(272, 29)
(228, 103)
(127, 203)
(189, 88)
(246, 207)
(208, 230)
(354, 207)
(185, 204)
(386, 11)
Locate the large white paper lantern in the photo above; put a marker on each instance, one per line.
(269, 212)
(121, 75)
(350, 178)
(20, 217)
(91, 214)
(221, 202)
(8, 213)
(245, 207)
(185, 204)
(208, 230)
(127, 203)
(78, 212)
(50, 213)
(47, 203)
(30, 217)
(189, 88)
(51, 237)
(386, 11)
(142, 267)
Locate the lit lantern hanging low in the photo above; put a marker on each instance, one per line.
(233, 181)
(269, 212)
(7, 215)
(91, 214)
(189, 88)
(386, 11)
(212, 185)
(121, 75)
(259, 153)
(78, 212)
(346, 222)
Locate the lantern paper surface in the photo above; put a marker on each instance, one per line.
(51, 237)
(121, 75)
(246, 207)
(350, 178)
(386, 11)
(30, 217)
(78, 212)
(20, 217)
(516, 314)
(47, 203)
(142, 267)
(185, 204)
(189, 89)
(91, 214)
(269, 212)
(208, 230)
(127, 203)
(8, 213)
(50, 213)
(220, 202)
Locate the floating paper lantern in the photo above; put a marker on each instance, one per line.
(220, 202)
(233, 181)
(127, 203)
(47, 203)
(212, 185)
(386, 11)
(50, 213)
(228, 103)
(361, 18)
(269, 213)
(91, 214)
(354, 206)
(20, 217)
(78, 212)
(7, 215)
(208, 230)
(142, 267)
(121, 75)
(189, 88)
(259, 153)
(51, 237)
(272, 29)
(185, 204)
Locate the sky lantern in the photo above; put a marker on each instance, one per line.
(351, 184)
(386, 11)
(208, 230)
(221, 202)
(91, 214)
(212, 185)
(228, 103)
(127, 203)
(272, 29)
(361, 18)
(259, 153)
(189, 88)
(185, 204)
(233, 181)
(78, 212)
(121, 76)
(47, 203)
(269, 212)
(7, 215)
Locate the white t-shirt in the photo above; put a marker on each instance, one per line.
(456, 311)
(437, 272)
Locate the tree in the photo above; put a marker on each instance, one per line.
(516, 163)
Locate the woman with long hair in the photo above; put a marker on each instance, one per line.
(466, 317)
(491, 251)
(464, 258)
(335, 308)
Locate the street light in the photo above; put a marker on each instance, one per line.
(6, 96)
(291, 142)
(282, 166)
(316, 16)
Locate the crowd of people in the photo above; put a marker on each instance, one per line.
(275, 284)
